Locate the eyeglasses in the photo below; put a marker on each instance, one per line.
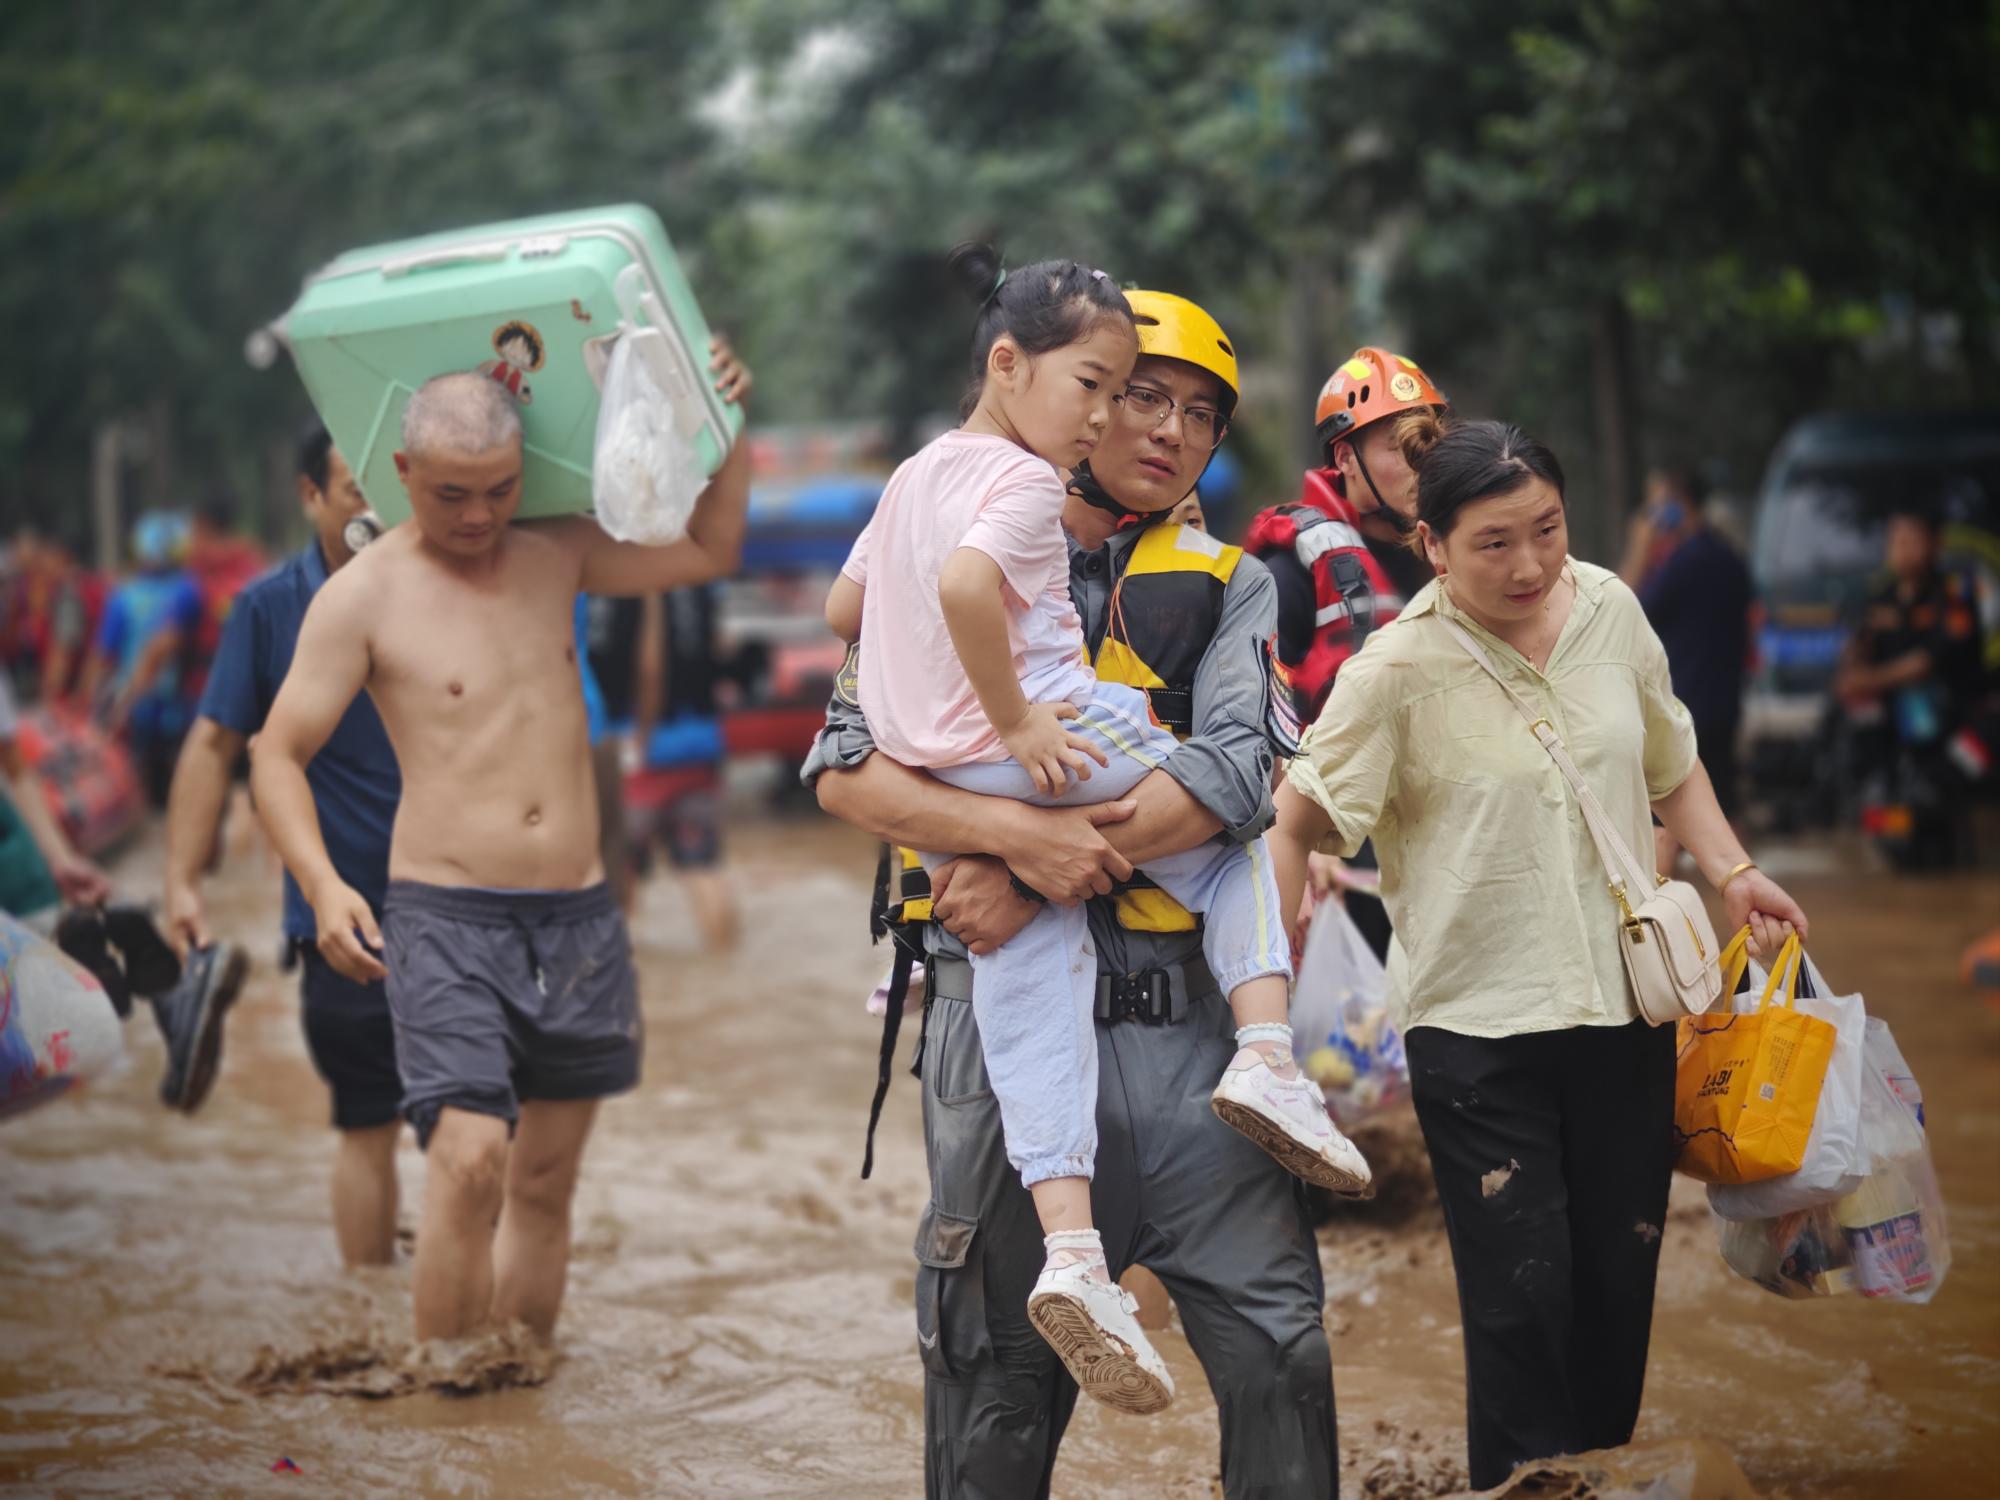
(1201, 426)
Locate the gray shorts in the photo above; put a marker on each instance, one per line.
(500, 996)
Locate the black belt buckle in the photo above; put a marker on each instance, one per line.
(1146, 996)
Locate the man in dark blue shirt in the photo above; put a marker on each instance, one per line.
(356, 786)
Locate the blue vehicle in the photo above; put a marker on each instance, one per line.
(780, 657)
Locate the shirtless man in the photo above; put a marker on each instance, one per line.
(508, 968)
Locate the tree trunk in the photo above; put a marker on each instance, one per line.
(159, 459)
(1313, 295)
(1615, 401)
(104, 519)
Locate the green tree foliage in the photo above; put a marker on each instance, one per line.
(1754, 195)
(1639, 226)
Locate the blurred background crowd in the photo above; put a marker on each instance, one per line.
(1739, 261)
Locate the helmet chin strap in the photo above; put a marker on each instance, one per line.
(1083, 484)
(1403, 524)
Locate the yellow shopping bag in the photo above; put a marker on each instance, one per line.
(1748, 1083)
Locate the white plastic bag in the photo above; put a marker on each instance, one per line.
(1888, 1239)
(1340, 1020)
(1835, 1161)
(645, 474)
(57, 1027)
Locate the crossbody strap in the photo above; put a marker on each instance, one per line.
(1620, 868)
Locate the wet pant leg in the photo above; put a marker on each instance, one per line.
(1227, 1232)
(996, 1398)
(1551, 1168)
(1620, 1172)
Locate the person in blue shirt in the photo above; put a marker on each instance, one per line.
(149, 623)
(356, 786)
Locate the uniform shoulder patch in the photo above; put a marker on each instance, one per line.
(847, 682)
(1281, 701)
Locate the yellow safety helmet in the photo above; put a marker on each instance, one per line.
(1176, 328)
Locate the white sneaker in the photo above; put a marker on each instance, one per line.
(1288, 1118)
(1093, 1325)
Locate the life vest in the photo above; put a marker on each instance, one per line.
(1352, 593)
(1165, 608)
(221, 571)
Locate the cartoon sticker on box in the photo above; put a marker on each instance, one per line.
(520, 348)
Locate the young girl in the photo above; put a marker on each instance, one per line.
(973, 665)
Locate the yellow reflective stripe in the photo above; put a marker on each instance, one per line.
(1122, 745)
(1257, 853)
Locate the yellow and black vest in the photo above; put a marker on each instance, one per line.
(1165, 608)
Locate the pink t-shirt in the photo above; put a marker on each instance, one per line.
(964, 490)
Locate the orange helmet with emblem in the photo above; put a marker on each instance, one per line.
(1374, 383)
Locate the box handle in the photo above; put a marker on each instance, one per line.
(455, 256)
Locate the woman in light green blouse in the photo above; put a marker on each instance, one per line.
(1546, 1103)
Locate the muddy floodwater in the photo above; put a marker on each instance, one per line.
(174, 1320)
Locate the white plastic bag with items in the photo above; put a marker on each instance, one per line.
(1835, 1162)
(57, 1027)
(1888, 1239)
(1340, 1020)
(646, 474)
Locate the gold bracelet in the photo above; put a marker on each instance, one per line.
(1748, 864)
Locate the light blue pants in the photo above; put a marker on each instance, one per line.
(1033, 998)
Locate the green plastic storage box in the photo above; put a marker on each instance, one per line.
(533, 303)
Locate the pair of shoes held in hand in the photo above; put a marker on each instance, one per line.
(123, 948)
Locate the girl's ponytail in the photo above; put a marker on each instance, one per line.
(976, 269)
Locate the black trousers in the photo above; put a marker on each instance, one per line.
(1552, 1151)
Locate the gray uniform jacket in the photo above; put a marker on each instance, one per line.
(1221, 1224)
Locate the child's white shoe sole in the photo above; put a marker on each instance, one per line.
(1117, 1364)
(1333, 1163)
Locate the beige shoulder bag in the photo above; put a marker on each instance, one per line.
(1671, 955)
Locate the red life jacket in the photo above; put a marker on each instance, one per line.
(222, 569)
(1352, 594)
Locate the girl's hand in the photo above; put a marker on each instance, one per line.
(1048, 752)
(732, 377)
(1755, 900)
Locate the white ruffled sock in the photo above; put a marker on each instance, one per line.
(1070, 1247)
(1272, 1039)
